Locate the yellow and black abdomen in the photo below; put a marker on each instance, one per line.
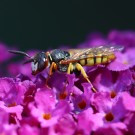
(97, 59)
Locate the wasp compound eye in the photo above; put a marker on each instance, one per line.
(40, 63)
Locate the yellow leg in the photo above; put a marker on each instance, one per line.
(70, 68)
(80, 68)
(52, 67)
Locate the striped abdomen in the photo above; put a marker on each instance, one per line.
(99, 59)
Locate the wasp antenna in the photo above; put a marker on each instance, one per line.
(19, 52)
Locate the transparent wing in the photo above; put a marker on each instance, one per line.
(77, 54)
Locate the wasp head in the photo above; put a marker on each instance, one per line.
(38, 62)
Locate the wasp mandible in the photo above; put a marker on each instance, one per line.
(71, 60)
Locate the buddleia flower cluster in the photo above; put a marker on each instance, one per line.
(68, 106)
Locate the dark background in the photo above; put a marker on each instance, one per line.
(42, 24)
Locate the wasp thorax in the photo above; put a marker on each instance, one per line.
(40, 62)
(57, 55)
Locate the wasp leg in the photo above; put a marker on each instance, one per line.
(52, 67)
(80, 68)
(70, 68)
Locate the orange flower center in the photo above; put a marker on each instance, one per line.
(125, 62)
(63, 95)
(113, 94)
(82, 104)
(47, 116)
(109, 116)
(12, 104)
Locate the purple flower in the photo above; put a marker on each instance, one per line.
(14, 92)
(88, 121)
(65, 126)
(28, 130)
(19, 68)
(17, 110)
(118, 112)
(123, 61)
(110, 115)
(65, 104)
(5, 127)
(81, 100)
(126, 38)
(110, 130)
(9, 91)
(47, 111)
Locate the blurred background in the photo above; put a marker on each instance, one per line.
(47, 24)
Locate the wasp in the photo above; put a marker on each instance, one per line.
(71, 60)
